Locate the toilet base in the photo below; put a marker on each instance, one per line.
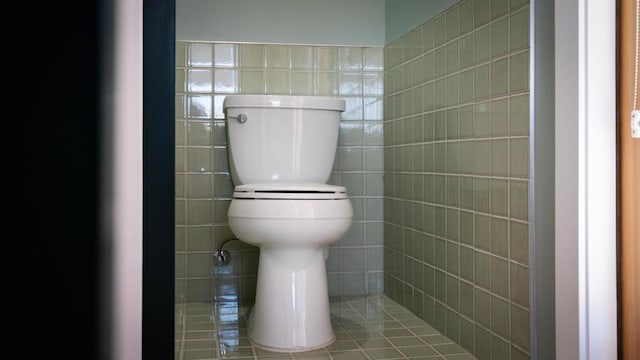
(291, 312)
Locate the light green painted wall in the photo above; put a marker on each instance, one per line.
(328, 22)
(402, 16)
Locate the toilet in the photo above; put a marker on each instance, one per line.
(281, 151)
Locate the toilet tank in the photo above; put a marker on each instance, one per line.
(281, 139)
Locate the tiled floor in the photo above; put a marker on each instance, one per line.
(373, 327)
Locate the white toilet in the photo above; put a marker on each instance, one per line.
(281, 153)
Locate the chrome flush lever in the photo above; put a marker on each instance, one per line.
(242, 118)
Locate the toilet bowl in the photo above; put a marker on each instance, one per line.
(281, 153)
(291, 225)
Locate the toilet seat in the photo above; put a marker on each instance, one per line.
(290, 192)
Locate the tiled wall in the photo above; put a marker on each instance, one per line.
(456, 159)
(205, 74)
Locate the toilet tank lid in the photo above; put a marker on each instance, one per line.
(283, 187)
(283, 102)
(290, 191)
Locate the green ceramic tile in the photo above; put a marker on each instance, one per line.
(519, 115)
(198, 160)
(482, 308)
(500, 237)
(181, 54)
(252, 56)
(452, 57)
(413, 44)
(519, 30)
(466, 191)
(466, 16)
(481, 195)
(429, 280)
(252, 81)
(427, 36)
(453, 329)
(519, 154)
(465, 48)
(452, 196)
(327, 83)
(440, 62)
(199, 133)
(466, 87)
(440, 253)
(439, 94)
(499, 349)
(481, 44)
(327, 58)
(453, 291)
(440, 286)
(466, 227)
(517, 354)
(499, 8)
(519, 200)
(520, 329)
(483, 343)
(481, 11)
(302, 83)
(520, 285)
(452, 20)
(482, 120)
(452, 224)
(373, 58)
(519, 241)
(407, 77)
(519, 72)
(499, 197)
(452, 264)
(451, 96)
(198, 212)
(199, 186)
(427, 157)
(440, 317)
(482, 82)
(417, 122)
(427, 103)
(348, 355)
(517, 3)
(181, 81)
(466, 297)
(302, 57)
(440, 125)
(499, 277)
(180, 106)
(440, 196)
(499, 77)
(500, 158)
(482, 157)
(452, 153)
(499, 118)
(466, 154)
(437, 154)
(179, 186)
(499, 37)
(439, 30)
(180, 216)
(416, 352)
(180, 133)
(428, 67)
(482, 232)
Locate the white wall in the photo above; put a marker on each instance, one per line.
(585, 169)
(328, 22)
(126, 324)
